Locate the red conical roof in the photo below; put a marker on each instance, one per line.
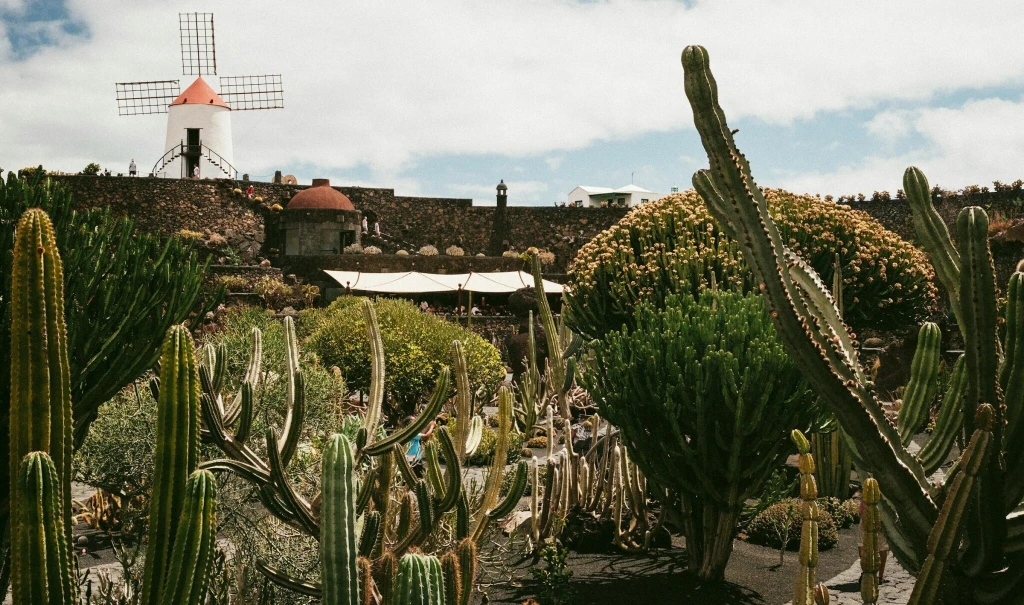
(199, 93)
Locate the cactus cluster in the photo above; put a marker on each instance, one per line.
(177, 567)
(361, 480)
(969, 541)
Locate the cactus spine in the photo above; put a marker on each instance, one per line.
(40, 405)
(338, 524)
(805, 585)
(175, 456)
(43, 551)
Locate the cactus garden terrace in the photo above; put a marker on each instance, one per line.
(743, 395)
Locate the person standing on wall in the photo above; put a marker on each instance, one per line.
(365, 226)
(132, 170)
(195, 171)
(376, 228)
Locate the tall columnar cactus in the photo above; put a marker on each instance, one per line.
(40, 404)
(338, 524)
(989, 567)
(870, 527)
(420, 581)
(805, 585)
(175, 456)
(194, 543)
(40, 546)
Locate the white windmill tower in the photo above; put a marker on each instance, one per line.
(198, 141)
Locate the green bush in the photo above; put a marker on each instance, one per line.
(416, 347)
(672, 246)
(769, 527)
(705, 397)
(844, 512)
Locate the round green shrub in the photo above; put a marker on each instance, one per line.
(769, 527)
(416, 347)
(537, 442)
(842, 512)
(672, 246)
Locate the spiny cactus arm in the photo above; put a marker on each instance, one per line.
(492, 487)
(245, 415)
(932, 231)
(425, 506)
(175, 456)
(420, 581)
(467, 569)
(303, 587)
(463, 400)
(515, 493)
(403, 435)
(302, 512)
(946, 533)
(462, 516)
(557, 368)
(986, 527)
(949, 422)
(1012, 381)
(805, 584)
(40, 391)
(452, 578)
(371, 535)
(194, 545)
(295, 399)
(40, 545)
(871, 527)
(338, 550)
(449, 494)
(535, 501)
(476, 433)
(735, 199)
(920, 390)
(365, 580)
(376, 402)
(253, 374)
(398, 455)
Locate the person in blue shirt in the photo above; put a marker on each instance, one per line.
(414, 453)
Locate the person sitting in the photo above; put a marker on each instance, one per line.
(249, 192)
(475, 311)
(414, 453)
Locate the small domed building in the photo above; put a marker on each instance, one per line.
(319, 221)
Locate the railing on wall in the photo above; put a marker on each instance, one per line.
(202, 151)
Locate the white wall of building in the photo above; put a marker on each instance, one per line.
(594, 197)
(214, 123)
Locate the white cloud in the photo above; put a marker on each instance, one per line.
(385, 84)
(890, 126)
(977, 143)
(554, 162)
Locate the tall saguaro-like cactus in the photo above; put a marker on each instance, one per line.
(990, 566)
(41, 545)
(175, 457)
(40, 406)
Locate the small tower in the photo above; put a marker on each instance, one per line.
(199, 124)
(502, 194)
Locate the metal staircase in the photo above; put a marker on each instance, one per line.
(200, 151)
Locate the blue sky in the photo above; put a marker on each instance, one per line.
(447, 97)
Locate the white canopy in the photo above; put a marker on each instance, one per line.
(414, 282)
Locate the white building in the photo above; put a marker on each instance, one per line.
(198, 135)
(623, 197)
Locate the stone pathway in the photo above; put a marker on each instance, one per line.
(844, 589)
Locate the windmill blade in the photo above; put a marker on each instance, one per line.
(252, 92)
(143, 98)
(198, 51)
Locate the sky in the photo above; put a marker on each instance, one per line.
(447, 97)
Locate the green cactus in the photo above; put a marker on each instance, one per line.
(175, 456)
(338, 524)
(41, 546)
(920, 390)
(452, 578)
(194, 544)
(988, 568)
(40, 404)
(420, 581)
(805, 584)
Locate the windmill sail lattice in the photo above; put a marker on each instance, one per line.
(198, 48)
(252, 92)
(143, 98)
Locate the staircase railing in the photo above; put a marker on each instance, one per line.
(201, 150)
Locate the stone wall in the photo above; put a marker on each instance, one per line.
(168, 205)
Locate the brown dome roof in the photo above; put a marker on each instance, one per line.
(320, 196)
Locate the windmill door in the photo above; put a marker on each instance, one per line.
(192, 151)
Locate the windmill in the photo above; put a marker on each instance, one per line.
(198, 139)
